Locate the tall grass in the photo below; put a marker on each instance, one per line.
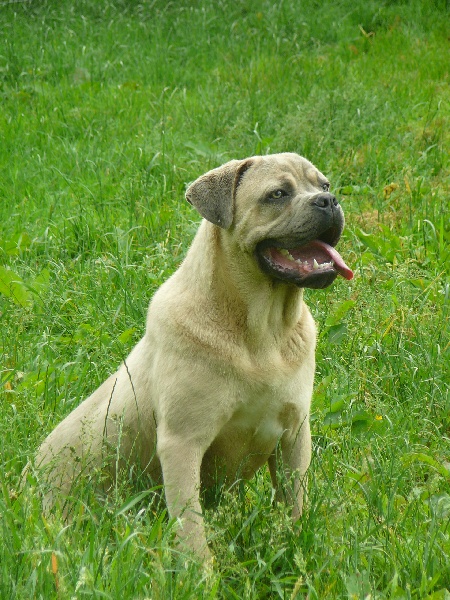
(108, 110)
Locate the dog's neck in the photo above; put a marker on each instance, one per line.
(269, 309)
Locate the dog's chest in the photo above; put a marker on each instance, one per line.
(250, 435)
(261, 417)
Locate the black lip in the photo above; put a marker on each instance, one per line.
(313, 280)
(330, 236)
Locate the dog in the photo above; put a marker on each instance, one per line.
(223, 376)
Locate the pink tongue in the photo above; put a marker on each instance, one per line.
(337, 259)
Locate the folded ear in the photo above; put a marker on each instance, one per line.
(212, 194)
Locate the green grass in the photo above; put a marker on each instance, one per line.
(108, 109)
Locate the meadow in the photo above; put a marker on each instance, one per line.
(109, 108)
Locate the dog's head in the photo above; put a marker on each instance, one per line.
(278, 209)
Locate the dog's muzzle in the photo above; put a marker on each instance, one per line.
(313, 263)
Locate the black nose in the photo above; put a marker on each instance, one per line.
(325, 200)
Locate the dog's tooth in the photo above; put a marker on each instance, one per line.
(315, 265)
(325, 265)
(283, 251)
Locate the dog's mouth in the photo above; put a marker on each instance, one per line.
(314, 265)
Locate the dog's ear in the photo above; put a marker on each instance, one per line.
(212, 194)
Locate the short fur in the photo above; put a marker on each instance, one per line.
(225, 369)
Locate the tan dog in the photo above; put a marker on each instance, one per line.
(225, 369)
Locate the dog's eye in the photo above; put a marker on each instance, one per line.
(326, 187)
(277, 194)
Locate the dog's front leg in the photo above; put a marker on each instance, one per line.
(181, 461)
(296, 456)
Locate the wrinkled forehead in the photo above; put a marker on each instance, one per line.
(276, 168)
